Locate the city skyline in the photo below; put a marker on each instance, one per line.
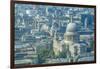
(45, 32)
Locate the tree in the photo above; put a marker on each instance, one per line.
(43, 54)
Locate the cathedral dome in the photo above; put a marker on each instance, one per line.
(44, 28)
(72, 27)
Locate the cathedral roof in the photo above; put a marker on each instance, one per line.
(72, 27)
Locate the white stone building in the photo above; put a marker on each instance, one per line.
(70, 43)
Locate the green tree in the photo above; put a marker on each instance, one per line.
(43, 54)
